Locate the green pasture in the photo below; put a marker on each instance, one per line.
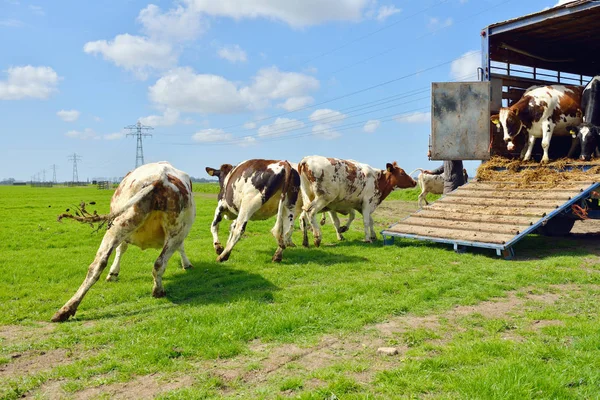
(468, 326)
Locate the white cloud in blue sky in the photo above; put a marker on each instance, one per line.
(223, 81)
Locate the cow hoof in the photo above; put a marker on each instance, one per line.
(112, 278)
(223, 257)
(157, 294)
(368, 240)
(290, 244)
(322, 221)
(218, 248)
(305, 243)
(343, 229)
(317, 242)
(341, 238)
(63, 314)
(277, 258)
(189, 266)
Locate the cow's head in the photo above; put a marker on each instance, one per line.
(398, 178)
(587, 135)
(220, 173)
(508, 120)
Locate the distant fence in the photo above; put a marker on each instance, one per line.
(76, 183)
(41, 184)
(103, 185)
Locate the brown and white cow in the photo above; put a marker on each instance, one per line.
(153, 207)
(543, 111)
(430, 183)
(256, 190)
(332, 184)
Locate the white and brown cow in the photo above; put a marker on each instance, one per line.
(332, 184)
(543, 111)
(153, 207)
(256, 190)
(430, 183)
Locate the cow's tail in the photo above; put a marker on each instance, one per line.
(281, 210)
(417, 169)
(139, 196)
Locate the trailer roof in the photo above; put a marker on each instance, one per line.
(564, 38)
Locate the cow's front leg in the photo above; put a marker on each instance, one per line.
(547, 129)
(531, 142)
(336, 223)
(214, 228)
(115, 268)
(368, 223)
(238, 227)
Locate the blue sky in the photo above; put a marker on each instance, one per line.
(222, 81)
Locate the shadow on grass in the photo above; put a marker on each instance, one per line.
(320, 255)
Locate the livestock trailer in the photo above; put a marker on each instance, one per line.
(555, 46)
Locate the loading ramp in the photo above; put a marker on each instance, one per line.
(495, 215)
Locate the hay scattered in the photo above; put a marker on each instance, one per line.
(526, 174)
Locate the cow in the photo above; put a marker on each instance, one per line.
(541, 112)
(332, 215)
(590, 101)
(588, 136)
(430, 183)
(153, 207)
(332, 184)
(255, 190)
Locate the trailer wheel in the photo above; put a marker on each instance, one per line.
(559, 226)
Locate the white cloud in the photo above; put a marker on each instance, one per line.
(295, 103)
(436, 23)
(211, 135)
(232, 53)
(387, 11)
(28, 82)
(561, 2)
(134, 53)
(250, 125)
(465, 68)
(247, 141)
(11, 23)
(169, 117)
(279, 127)
(183, 90)
(325, 131)
(327, 116)
(86, 134)
(97, 119)
(114, 136)
(177, 24)
(37, 10)
(414, 118)
(371, 125)
(296, 14)
(68, 115)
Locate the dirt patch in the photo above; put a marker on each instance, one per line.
(141, 387)
(392, 211)
(588, 226)
(32, 362)
(12, 334)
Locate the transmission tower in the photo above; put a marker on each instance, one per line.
(75, 158)
(138, 131)
(53, 173)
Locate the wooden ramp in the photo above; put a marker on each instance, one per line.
(492, 215)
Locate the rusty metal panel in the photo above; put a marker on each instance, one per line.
(460, 119)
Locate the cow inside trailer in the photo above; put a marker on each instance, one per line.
(555, 46)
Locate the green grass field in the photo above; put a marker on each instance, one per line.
(468, 326)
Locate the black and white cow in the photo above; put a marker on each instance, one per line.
(256, 190)
(588, 136)
(543, 111)
(587, 133)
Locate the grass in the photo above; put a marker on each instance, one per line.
(253, 329)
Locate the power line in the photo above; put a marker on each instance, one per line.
(137, 130)
(75, 158)
(53, 173)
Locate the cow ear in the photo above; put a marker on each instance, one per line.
(210, 171)
(389, 167)
(495, 120)
(516, 111)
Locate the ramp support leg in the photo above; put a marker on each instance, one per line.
(388, 240)
(459, 249)
(507, 254)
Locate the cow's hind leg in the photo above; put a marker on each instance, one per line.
(346, 226)
(311, 212)
(115, 268)
(171, 245)
(214, 228)
(185, 262)
(284, 225)
(122, 227)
